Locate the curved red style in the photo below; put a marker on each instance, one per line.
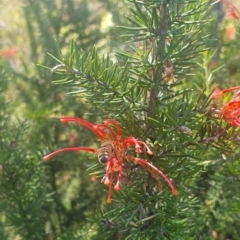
(110, 131)
(230, 111)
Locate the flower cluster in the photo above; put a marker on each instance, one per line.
(8, 53)
(229, 111)
(112, 152)
(232, 14)
(231, 9)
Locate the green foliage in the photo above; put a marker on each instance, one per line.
(23, 185)
(23, 190)
(219, 195)
(107, 84)
(3, 117)
(151, 105)
(157, 85)
(33, 99)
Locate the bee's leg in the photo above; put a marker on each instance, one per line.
(103, 179)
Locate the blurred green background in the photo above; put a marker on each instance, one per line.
(30, 105)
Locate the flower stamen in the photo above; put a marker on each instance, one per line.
(112, 152)
(49, 156)
(109, 200)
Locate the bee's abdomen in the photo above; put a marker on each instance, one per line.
(105, 152)
(103, 157)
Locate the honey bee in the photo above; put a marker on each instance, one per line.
(112, 153)
(106, 151)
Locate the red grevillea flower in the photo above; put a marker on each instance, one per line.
(112, 152)
(231, 10)
(8, 53)
(230, 111)
(216, 93)
(230, 32)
